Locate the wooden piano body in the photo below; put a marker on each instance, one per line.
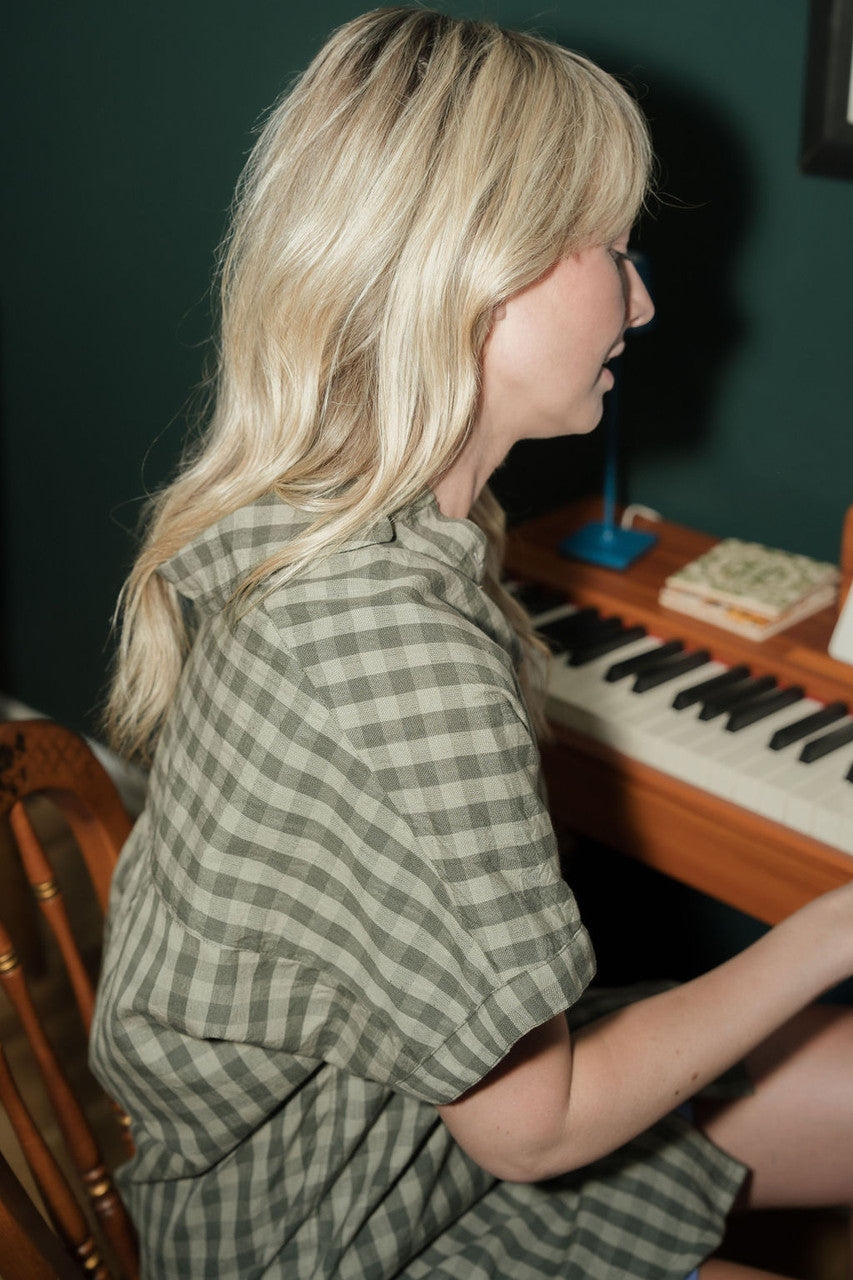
(757, 865)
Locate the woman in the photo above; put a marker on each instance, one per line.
(340, 954)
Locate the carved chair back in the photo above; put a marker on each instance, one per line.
(40, 758)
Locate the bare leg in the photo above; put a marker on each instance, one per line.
(795, 1133)
(718, 1269)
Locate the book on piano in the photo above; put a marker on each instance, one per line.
(753, 590)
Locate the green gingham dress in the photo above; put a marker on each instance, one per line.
(342, 906)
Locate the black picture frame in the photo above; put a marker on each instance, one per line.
(827, 143)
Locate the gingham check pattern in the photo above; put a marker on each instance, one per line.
(341, 905)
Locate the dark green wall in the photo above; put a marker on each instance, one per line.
(126, 128)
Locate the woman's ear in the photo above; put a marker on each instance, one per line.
(499, 311)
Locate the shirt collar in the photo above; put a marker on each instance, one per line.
(213, 566)
(422, 527)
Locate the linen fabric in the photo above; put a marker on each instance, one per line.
(341, 906)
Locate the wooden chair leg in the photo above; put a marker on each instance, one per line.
(46, 892)
(58, 1196)
(76, 1131)
(29, 1250)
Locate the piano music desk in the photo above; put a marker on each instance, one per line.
(759, 866)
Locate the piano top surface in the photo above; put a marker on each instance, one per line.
(797, 655)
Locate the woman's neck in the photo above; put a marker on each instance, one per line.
(458, 489)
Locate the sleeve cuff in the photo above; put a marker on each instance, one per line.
(525, 1001)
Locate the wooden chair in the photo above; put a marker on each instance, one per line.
(38, 757)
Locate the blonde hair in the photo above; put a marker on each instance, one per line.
(422, 170)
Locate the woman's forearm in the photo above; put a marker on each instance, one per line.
(555, 1105)
(637, 1064)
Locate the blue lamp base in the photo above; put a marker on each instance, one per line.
(607, 545)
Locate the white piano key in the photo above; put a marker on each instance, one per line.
(833, 816)
(651, 712)
(586, 686)
(551, 615)
(808, 785)
(813, 799)
(751, 742)
(766, 782)
(610, 711)
(793, 714)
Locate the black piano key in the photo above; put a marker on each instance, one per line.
(699, 692)
(666, 671)
(583, 654)
(809, 724)
(766, 704)
(820, 747)
(535, 598)
(593, 632)
(630, 666)
(848, 777)
(729, 698)
(562, 631)
(596, 628)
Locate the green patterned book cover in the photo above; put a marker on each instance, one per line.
(751, 589)
(757, 579)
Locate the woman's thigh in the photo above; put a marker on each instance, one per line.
(718, 1269)
(795, 1132)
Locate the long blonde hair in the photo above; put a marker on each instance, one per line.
(421, 171)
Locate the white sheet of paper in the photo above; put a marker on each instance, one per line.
(841, 643)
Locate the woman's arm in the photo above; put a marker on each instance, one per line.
(554, 1105)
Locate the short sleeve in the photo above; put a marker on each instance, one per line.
(429, 701)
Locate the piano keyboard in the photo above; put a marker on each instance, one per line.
(739, 740)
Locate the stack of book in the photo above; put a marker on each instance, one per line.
(753, 590)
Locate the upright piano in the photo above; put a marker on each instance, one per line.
(708, 801)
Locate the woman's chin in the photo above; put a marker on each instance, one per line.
(580, 422)
(585, 426)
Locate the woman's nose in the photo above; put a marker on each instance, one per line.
(639, 308)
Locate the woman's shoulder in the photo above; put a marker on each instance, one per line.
(406, 596)
(392, 627)
(393, 623)
(414, 561)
